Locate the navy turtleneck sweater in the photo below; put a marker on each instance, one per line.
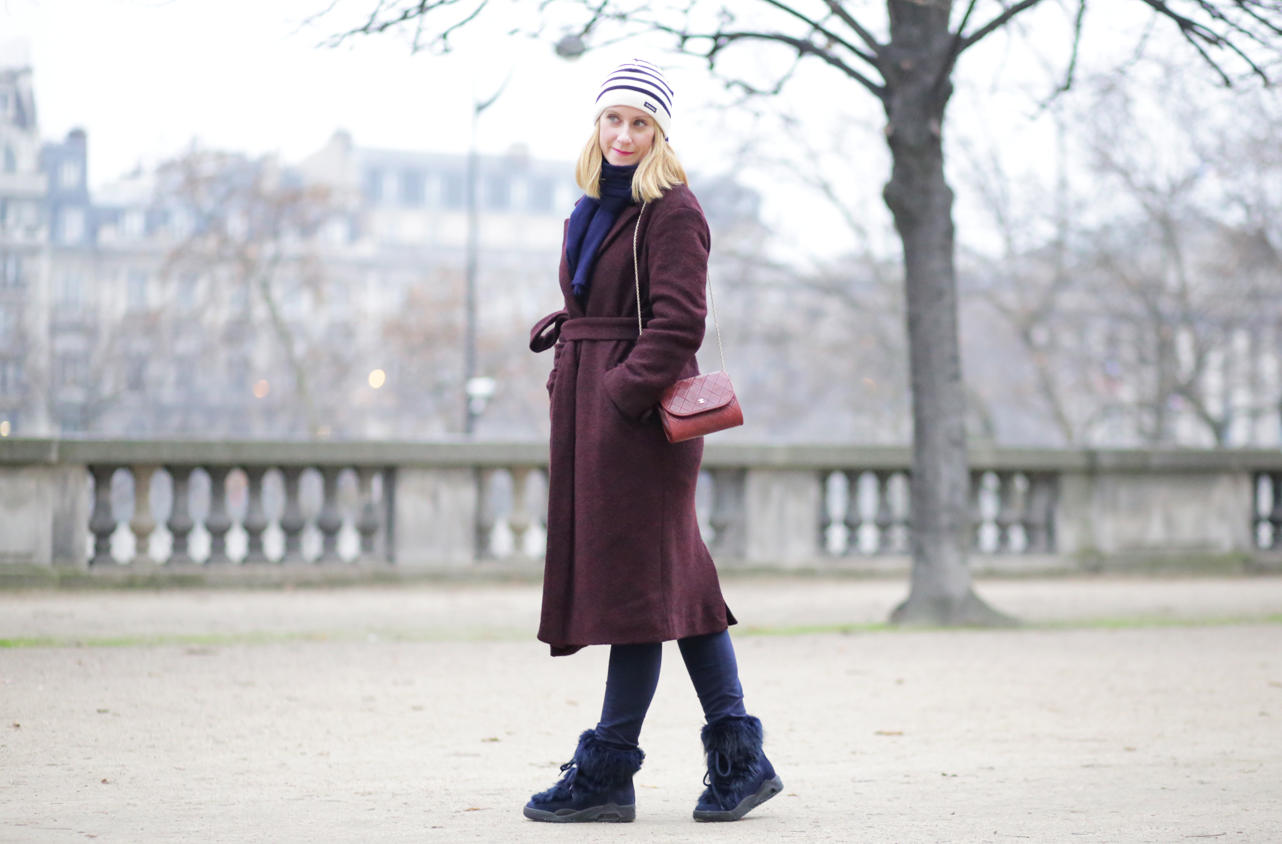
(591, 221)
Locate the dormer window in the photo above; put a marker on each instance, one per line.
(69, 174)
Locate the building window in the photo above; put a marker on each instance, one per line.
(10, 160)
(10, 377)
(71, 422)
(374, 185)
(540, 195)
(498, 193)
(69, 174)
(70, 292)
(181, 224)
(10, 270)
(134, 224)
(336, 232)
(412, 188)
(186, 296)
(185, 372)
(239, 297)
(8, 325)
(452, 189)
(136, 373)
(26, 213)
(136, 291)
(73, 225)
(70, 370)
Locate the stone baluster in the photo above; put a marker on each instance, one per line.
(218, 522)
(541, 514)
(977, 510)
(1007, 515)
(853, 519)
(727, 512)
(255, 515)
(330, 518)
(291, 520)
(905, 520)
(368, 519)
(825, 521)
(180, 522)
(1038, 513)
(1275, 515)
(102, 524)
(1258, 517)
(884, 517)
(519, 521)
(143, 524)
(485, 515)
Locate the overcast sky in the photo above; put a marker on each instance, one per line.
(147, 77)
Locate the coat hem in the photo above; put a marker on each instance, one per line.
(568, 649)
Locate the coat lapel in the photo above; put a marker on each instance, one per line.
(627, 219)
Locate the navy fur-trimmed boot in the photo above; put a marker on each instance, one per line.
(597, 785)
(740, 777)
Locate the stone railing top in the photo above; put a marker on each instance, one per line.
(16, 451)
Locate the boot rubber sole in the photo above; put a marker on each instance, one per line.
(605, 813)
(768, 789)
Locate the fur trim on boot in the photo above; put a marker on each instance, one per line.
(597, 785)
(739, 777)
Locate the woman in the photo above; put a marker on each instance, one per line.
(625, 565)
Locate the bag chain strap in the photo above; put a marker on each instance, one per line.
(636, 271)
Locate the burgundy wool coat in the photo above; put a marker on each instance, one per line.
(625, 562)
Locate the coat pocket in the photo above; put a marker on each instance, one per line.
(556, 359)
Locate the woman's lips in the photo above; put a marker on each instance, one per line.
(623, 151)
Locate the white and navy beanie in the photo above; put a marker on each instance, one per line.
(641, 85)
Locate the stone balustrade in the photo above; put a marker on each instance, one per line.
(468, 505)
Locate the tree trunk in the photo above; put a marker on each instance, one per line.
(917, 75)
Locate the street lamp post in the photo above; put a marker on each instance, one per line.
(475, 392)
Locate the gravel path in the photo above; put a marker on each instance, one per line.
(427, 713)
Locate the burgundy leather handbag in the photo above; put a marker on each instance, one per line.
(701, 405)
(697, 406)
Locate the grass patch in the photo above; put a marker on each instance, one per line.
(1119, 623)
(163, 639)
(443, 635)
(262, 637)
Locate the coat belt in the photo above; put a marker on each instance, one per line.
(599, 328)
(560, 326)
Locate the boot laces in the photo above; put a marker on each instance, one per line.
(565, 785)
(719, 769)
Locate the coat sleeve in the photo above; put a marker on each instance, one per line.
(676, 266)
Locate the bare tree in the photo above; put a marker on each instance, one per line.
(1153, 312)
(905, 59)
(252, 231)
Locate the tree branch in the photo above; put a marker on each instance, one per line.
(1071, 72)
(968, 41)
(416, 12)
(720, 40)
(823, 30)
(1201, 36)
(849, 20)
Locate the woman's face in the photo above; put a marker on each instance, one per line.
(626, 134)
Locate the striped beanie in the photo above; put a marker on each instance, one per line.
(641, 85)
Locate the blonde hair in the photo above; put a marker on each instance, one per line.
(658, 171)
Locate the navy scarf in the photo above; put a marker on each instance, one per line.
(591, 221)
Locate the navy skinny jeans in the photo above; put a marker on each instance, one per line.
(634, 674)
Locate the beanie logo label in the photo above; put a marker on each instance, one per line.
(651, 106)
